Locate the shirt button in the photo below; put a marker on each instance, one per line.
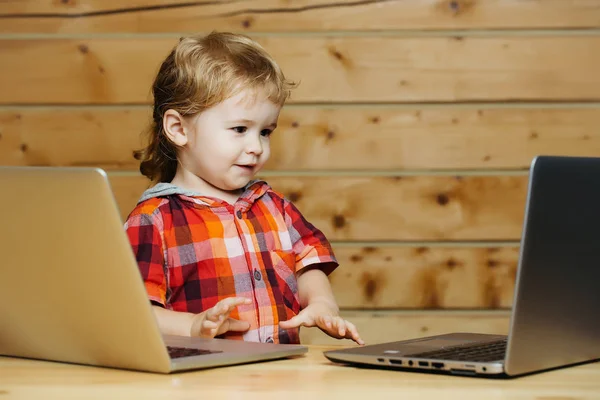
(257, 275)
(270, 340)
(239, 214)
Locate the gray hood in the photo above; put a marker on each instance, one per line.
(165, 189)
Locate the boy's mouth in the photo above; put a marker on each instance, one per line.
(248, 167)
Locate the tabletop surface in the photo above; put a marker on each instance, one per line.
(307, 375)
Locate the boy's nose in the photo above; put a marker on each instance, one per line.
(254, 145)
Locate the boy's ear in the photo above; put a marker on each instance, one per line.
(175, 127)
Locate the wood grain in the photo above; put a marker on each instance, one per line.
(380, 327)
(421, 277)
(149, 16)
(321, 137)
(331, 69)
(371, 208)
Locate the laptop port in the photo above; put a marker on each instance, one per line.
(381, 359)
(423, 364)
(410, 363)
(459, 371)
(396, 362)
(437, 365)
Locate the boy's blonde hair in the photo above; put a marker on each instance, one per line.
(199, 73)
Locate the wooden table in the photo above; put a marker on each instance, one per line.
(310, 376)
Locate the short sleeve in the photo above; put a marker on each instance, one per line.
(310, 245)
(145, 235)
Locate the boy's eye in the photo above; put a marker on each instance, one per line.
(266, 132)
(240, 129)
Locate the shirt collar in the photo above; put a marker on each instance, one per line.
(252, 192)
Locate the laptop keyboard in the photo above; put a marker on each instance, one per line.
(178, 352)
(480, 352)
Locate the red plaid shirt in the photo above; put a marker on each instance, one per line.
(194, 251)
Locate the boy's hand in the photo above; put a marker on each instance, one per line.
(327, 319)
(215, 321)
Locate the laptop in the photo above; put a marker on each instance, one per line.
(70, 287)
(555, 319)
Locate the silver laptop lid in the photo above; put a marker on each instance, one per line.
(60, 227)
(555, 319)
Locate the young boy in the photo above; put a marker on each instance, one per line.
(223, 254)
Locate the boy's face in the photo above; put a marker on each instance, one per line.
(228, 143)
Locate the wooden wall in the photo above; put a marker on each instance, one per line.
(407, 141)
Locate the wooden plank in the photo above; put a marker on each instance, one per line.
(381, 327)
(373, 208)
(331, 69)
(430, 138)
(71, 137)
(321, 138)
(100, 16)
(424, 277)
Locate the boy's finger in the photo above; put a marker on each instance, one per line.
(226, 306)
(325, 322)
(208, 329)
(340, 324)
(210, 316)
(234, 301)
(354, 333)
(334, 325)
(207, 324)
(236, 325)
(327, 325)
(351, 330)
(295, 322)
(214, 313)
